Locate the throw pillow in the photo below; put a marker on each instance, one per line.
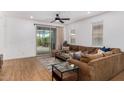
(105, 49)
(77, 55)
(108, 53)
(65, 48)
(71, 54)
(84, 53)
(99, 51)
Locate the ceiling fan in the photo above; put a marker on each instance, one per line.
(59, 19)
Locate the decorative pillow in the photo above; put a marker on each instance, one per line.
(71, 54)
(65, 48)
(105, 49)
(99, 51)
(108, 53)
(77, 55)
(84, 53)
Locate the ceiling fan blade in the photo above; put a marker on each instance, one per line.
(61, 21)
(52, 21)
(65, 18)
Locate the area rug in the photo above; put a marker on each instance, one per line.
(47, 61)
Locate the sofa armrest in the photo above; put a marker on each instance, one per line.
(106, 67)
(73, 61)
(84, 69)
(82, 65)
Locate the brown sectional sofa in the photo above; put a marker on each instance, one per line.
(101, 68)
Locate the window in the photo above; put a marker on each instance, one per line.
(97, 34)
(72, 37)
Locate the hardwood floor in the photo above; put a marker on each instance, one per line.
(27, 69)
(31, 69)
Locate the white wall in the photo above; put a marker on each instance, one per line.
(113, 27)
(17, 37)
(2, 24)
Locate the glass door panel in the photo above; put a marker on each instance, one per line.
(45, 39)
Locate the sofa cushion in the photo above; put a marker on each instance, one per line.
(74, 48)
(92, 50)
(94, 56)
(82, 48)
(115, 50)
(108, 53)
(88, 57)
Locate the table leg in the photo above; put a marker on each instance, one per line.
(52, 73)
(77, 74)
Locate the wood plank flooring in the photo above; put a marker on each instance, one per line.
(27, 69)
(31, 69)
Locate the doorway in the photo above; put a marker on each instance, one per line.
(45, 39)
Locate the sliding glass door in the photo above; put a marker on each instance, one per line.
(45, 39)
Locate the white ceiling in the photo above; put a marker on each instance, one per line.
(47, 16)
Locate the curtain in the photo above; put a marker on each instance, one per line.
(59, 38)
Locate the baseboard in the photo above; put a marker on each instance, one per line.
(19, 58)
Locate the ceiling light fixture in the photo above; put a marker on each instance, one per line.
(31, 17)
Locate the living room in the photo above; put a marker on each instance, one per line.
(20, 48)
